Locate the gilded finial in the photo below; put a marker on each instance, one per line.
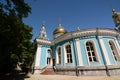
(78, 28)
(113, 10)
(43, 23)
(59, 21)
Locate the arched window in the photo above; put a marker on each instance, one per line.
(92, 56)
(68, 53)
(114, 50)
(59, 55)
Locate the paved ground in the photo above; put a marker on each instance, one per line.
(66, 77)
(17, 75)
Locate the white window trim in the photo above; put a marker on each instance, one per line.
(117, 46)
(111, 50)
(57, 61)
(96, 51)
(65, 54)
(49, 49)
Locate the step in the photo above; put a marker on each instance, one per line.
(48, 71)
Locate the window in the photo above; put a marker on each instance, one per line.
(59, 55)
(114, 50)
(91, 52)
(49, 50)
(68, 53)
(48, 60)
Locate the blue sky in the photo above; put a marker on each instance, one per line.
(73, 13)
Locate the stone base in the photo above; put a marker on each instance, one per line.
(89, 70)
(37, 71)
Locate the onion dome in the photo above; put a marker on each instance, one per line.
(115, 14)
(116, 18)
(59, 31)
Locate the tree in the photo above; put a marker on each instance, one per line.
(15, 35)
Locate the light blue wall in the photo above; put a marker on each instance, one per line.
(84, 54)
(82, 40)
(43, 56)
(61, 44)
(105, 39)
(110, 55)
(83, 50)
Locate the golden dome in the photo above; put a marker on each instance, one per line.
(59, 30)
(115, 14)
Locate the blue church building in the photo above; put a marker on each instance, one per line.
(93, 51)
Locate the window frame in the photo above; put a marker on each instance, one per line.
(59, 55)
(91, 52)
(68, 53)
(114, 50)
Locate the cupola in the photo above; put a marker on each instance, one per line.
(59, 31)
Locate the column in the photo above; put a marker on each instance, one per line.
(117, 45)
(37, 58)
(103, 47)
(79, 54)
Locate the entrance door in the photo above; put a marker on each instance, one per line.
(53, 61)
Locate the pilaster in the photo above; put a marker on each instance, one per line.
(105, 54)
(80, 62)
(37, 59)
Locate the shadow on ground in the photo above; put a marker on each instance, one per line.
(14, 75)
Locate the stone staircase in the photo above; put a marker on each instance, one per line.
(48, 71)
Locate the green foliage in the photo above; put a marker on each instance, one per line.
(15, 44)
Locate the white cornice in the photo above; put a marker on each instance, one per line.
(43, 41)
(80, 33)
(87, 32)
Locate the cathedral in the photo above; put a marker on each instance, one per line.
(93, 51)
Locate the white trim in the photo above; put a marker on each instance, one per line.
(80, 60)
(51, 61)
(57, 61)
(46, 56)
(96, 51)
(105, 54)
(86, 51)
(65, 54)
(117, 46)
(38, 55)
(87, 32)
(111, 50)
(56, 55)
(43, 41)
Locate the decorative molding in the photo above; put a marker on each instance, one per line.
(79, 33)
(43, 41)
(88, 32)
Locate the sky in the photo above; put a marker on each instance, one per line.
(71, 14)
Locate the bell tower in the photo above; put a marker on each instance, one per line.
(116, 18)
(43, 34)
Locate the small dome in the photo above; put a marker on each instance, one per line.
(59, 30)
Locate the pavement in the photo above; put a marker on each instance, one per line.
(18, 75)
(68, 77)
